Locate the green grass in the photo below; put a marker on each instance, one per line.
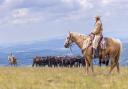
(61, 78)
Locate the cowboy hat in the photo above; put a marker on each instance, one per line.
(97, 17)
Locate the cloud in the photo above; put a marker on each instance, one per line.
(42, 16)
(83, 4)
(29, 11)
(106, 2)
(20, 13)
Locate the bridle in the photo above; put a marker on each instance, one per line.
(70, 47)
(71, 44)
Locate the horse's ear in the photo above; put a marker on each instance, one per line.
(69, 32)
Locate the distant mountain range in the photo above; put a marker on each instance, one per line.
(26, 51)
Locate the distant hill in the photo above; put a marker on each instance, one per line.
(26, 51)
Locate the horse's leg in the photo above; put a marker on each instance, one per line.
(11, 64)
(87, 65)
(118, 69)
(101, 56)
(107, 61)
(91, 64)
(100, 62)
(16, 64)
(112, 67)
(33, 64)
(113, 64)
(117, 61)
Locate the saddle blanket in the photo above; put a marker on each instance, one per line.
(88, 42)
(103, 43)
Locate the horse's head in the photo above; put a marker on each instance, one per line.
(68, 41)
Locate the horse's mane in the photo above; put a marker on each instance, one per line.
(79, 34)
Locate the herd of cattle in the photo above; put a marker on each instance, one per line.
(58, 61)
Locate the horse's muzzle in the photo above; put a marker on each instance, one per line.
(66, 45)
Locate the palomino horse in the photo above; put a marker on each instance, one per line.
(113, 49)
(12, 61)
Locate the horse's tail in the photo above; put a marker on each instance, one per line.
(120, 48)
(121, 45)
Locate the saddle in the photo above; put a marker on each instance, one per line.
(101, 45)
(102, 41)
(89, 43)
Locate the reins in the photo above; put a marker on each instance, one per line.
(70, 47)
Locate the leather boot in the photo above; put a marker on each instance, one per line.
(94, 53)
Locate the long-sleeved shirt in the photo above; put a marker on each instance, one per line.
(98, 29)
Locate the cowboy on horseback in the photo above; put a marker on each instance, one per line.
(112, 49)
(12, 60)
(108, 48)
(10, 56)
(97, 32)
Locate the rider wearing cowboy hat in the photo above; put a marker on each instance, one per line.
(97, 31)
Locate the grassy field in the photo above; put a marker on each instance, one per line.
(61, 78)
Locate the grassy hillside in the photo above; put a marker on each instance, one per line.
(61, 78)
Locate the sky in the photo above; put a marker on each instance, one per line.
(30, 20)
